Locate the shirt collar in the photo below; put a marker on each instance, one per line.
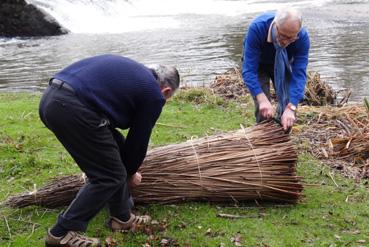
(269, 38)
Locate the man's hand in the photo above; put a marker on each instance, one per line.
(135, 180)
(288, 119)
(265, 107)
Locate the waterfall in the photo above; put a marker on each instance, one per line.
(117, 16)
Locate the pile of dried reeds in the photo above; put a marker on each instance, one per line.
(257, 163)
(338, 133)
(229, 85)
(345, 121)
(317, 92)
(351, 148)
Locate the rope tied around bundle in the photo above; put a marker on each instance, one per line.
(256, 158)
(197, 160)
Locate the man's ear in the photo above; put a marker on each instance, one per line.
(167, 92)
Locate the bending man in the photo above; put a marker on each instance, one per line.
(276, 47)
(83, 106)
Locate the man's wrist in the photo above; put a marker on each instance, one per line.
(292, 107)
(261, 97)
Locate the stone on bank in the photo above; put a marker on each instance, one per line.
(20, 19)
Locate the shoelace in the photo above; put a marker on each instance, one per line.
(140, 220)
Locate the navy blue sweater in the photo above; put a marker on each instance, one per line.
(258, 51)
(126, 92)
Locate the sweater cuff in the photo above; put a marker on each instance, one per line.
(256, 91)
(294, 101)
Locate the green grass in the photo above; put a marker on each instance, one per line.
(333, 212)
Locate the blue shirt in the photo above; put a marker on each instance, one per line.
(125, 91)
(258, 51)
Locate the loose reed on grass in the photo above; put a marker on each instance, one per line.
(257, 163)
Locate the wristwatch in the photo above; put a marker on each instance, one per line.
(292, 107)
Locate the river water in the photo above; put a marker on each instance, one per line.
(202, 38)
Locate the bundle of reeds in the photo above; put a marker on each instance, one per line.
(58, 192)
(257, 163)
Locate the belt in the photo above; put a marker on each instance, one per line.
(61, 84)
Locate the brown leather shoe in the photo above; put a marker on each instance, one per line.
(71, 239)
(118, 225)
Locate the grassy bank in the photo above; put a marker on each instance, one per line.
(334, 211)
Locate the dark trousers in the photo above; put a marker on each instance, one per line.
(96, 148)
(265, 75)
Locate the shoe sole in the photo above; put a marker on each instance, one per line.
(58, 245)
(51, 245)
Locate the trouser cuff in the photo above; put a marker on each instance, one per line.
(72, 225)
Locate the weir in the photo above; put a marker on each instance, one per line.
(117, 16)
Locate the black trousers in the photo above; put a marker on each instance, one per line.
(96, 148)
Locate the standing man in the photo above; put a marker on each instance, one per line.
(276, 47)
(83, 106)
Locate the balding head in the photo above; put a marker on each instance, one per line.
(289, 17)
(288, 23)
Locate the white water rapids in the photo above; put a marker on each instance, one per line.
(117, 16)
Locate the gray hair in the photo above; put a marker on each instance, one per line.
(166, 75)
(288, 14)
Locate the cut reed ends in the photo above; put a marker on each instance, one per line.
(257, 163)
